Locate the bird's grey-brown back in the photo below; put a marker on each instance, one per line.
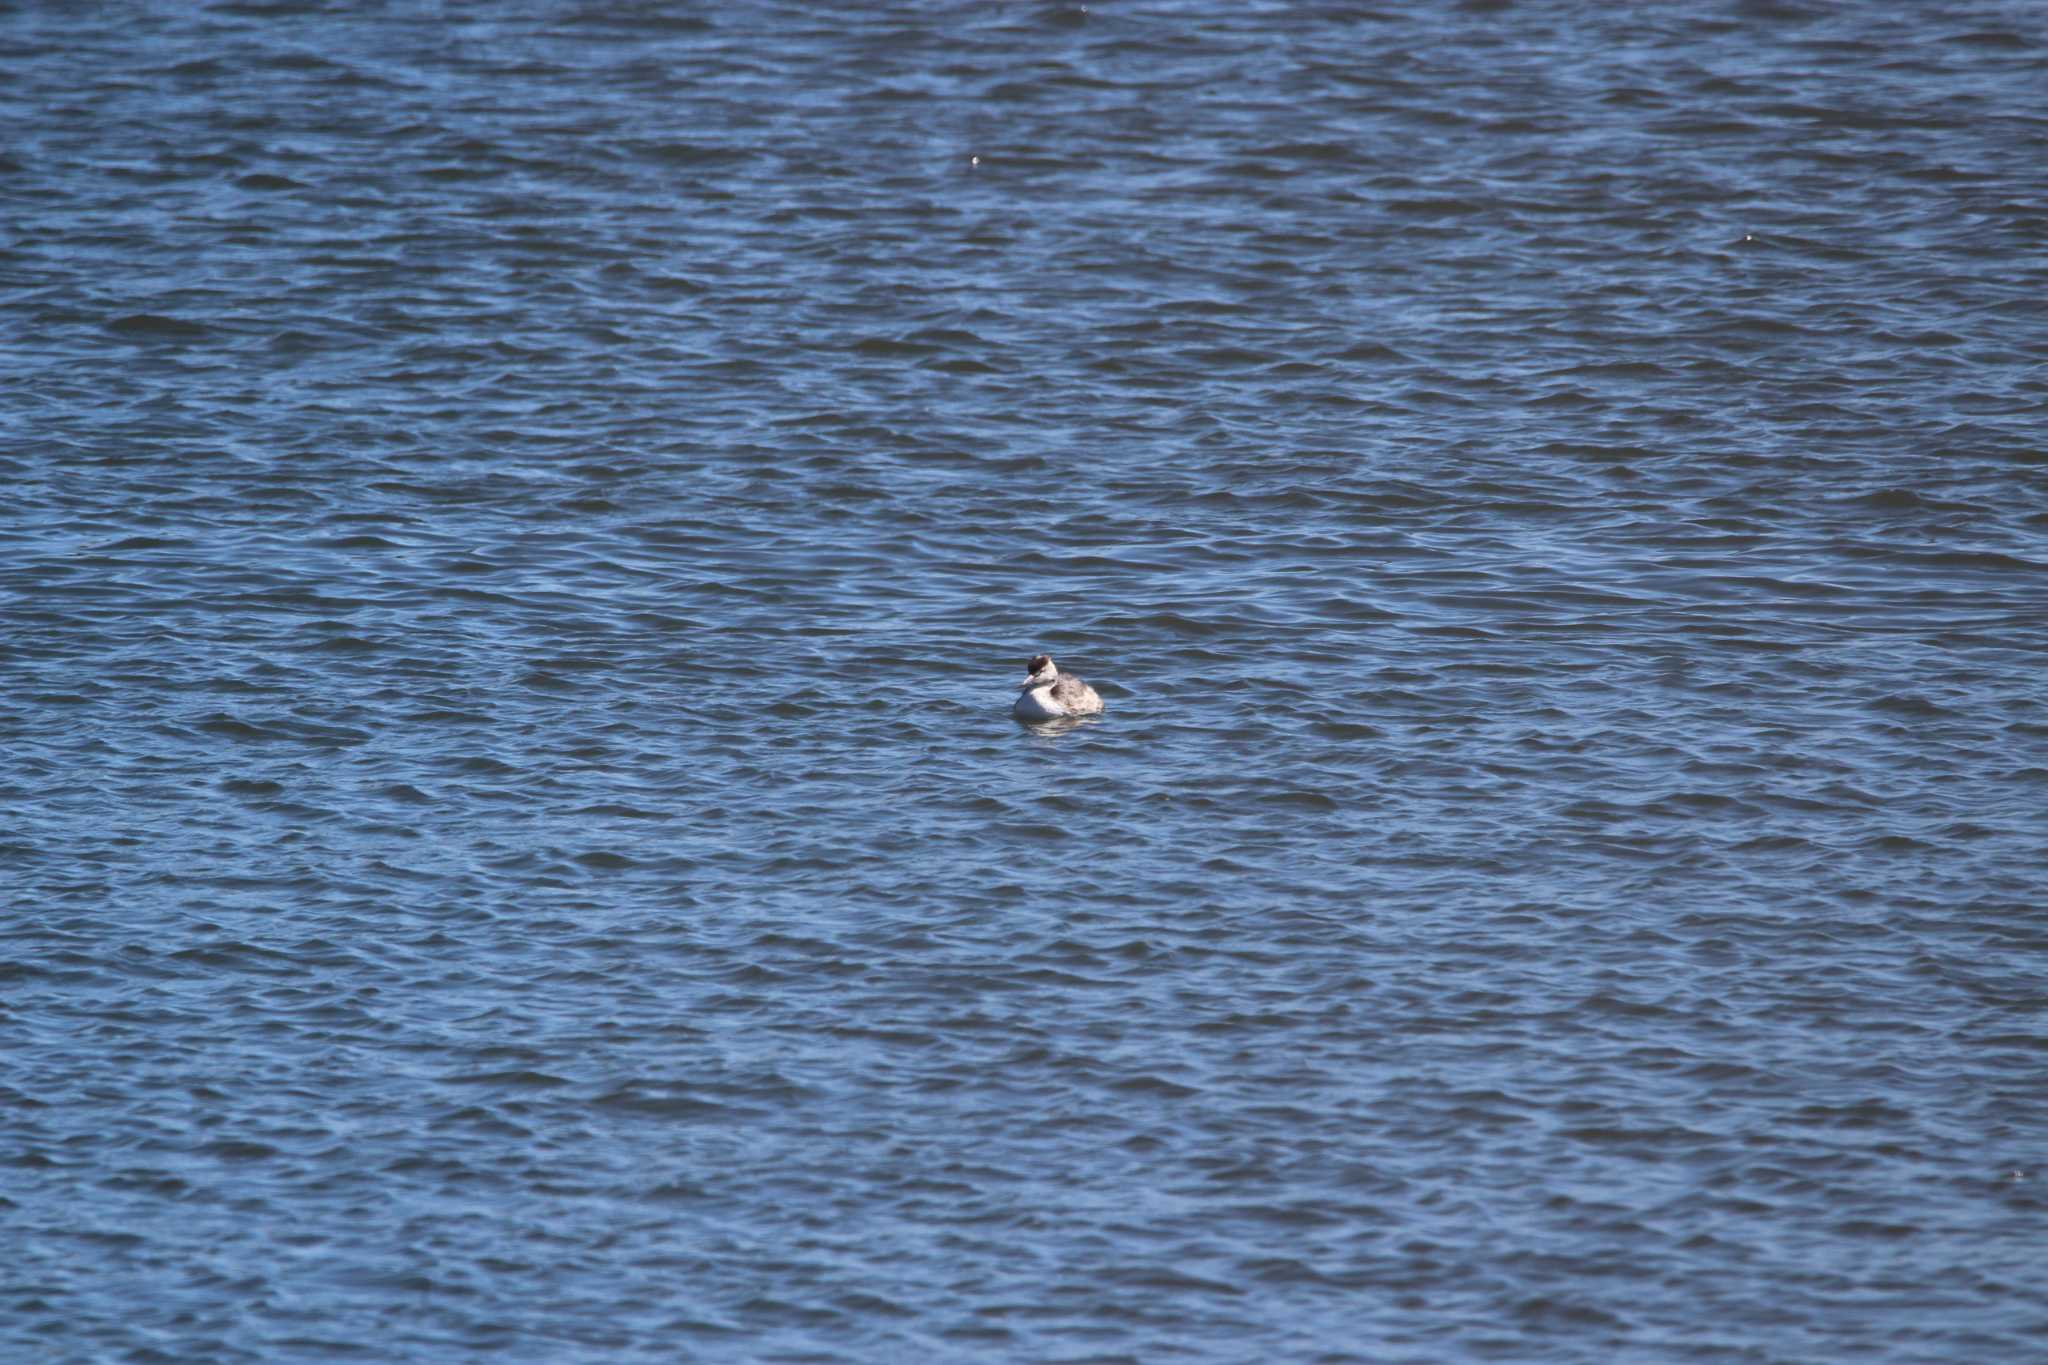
(1072, 693)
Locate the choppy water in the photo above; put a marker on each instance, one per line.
(521, 524)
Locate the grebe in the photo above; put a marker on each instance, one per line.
(1049, 694)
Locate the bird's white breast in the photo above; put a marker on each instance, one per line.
(1037, 704)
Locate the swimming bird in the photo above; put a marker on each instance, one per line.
(1049, 694)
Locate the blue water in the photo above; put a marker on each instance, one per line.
(520, 528)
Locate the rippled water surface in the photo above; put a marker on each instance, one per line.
(520, 526)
